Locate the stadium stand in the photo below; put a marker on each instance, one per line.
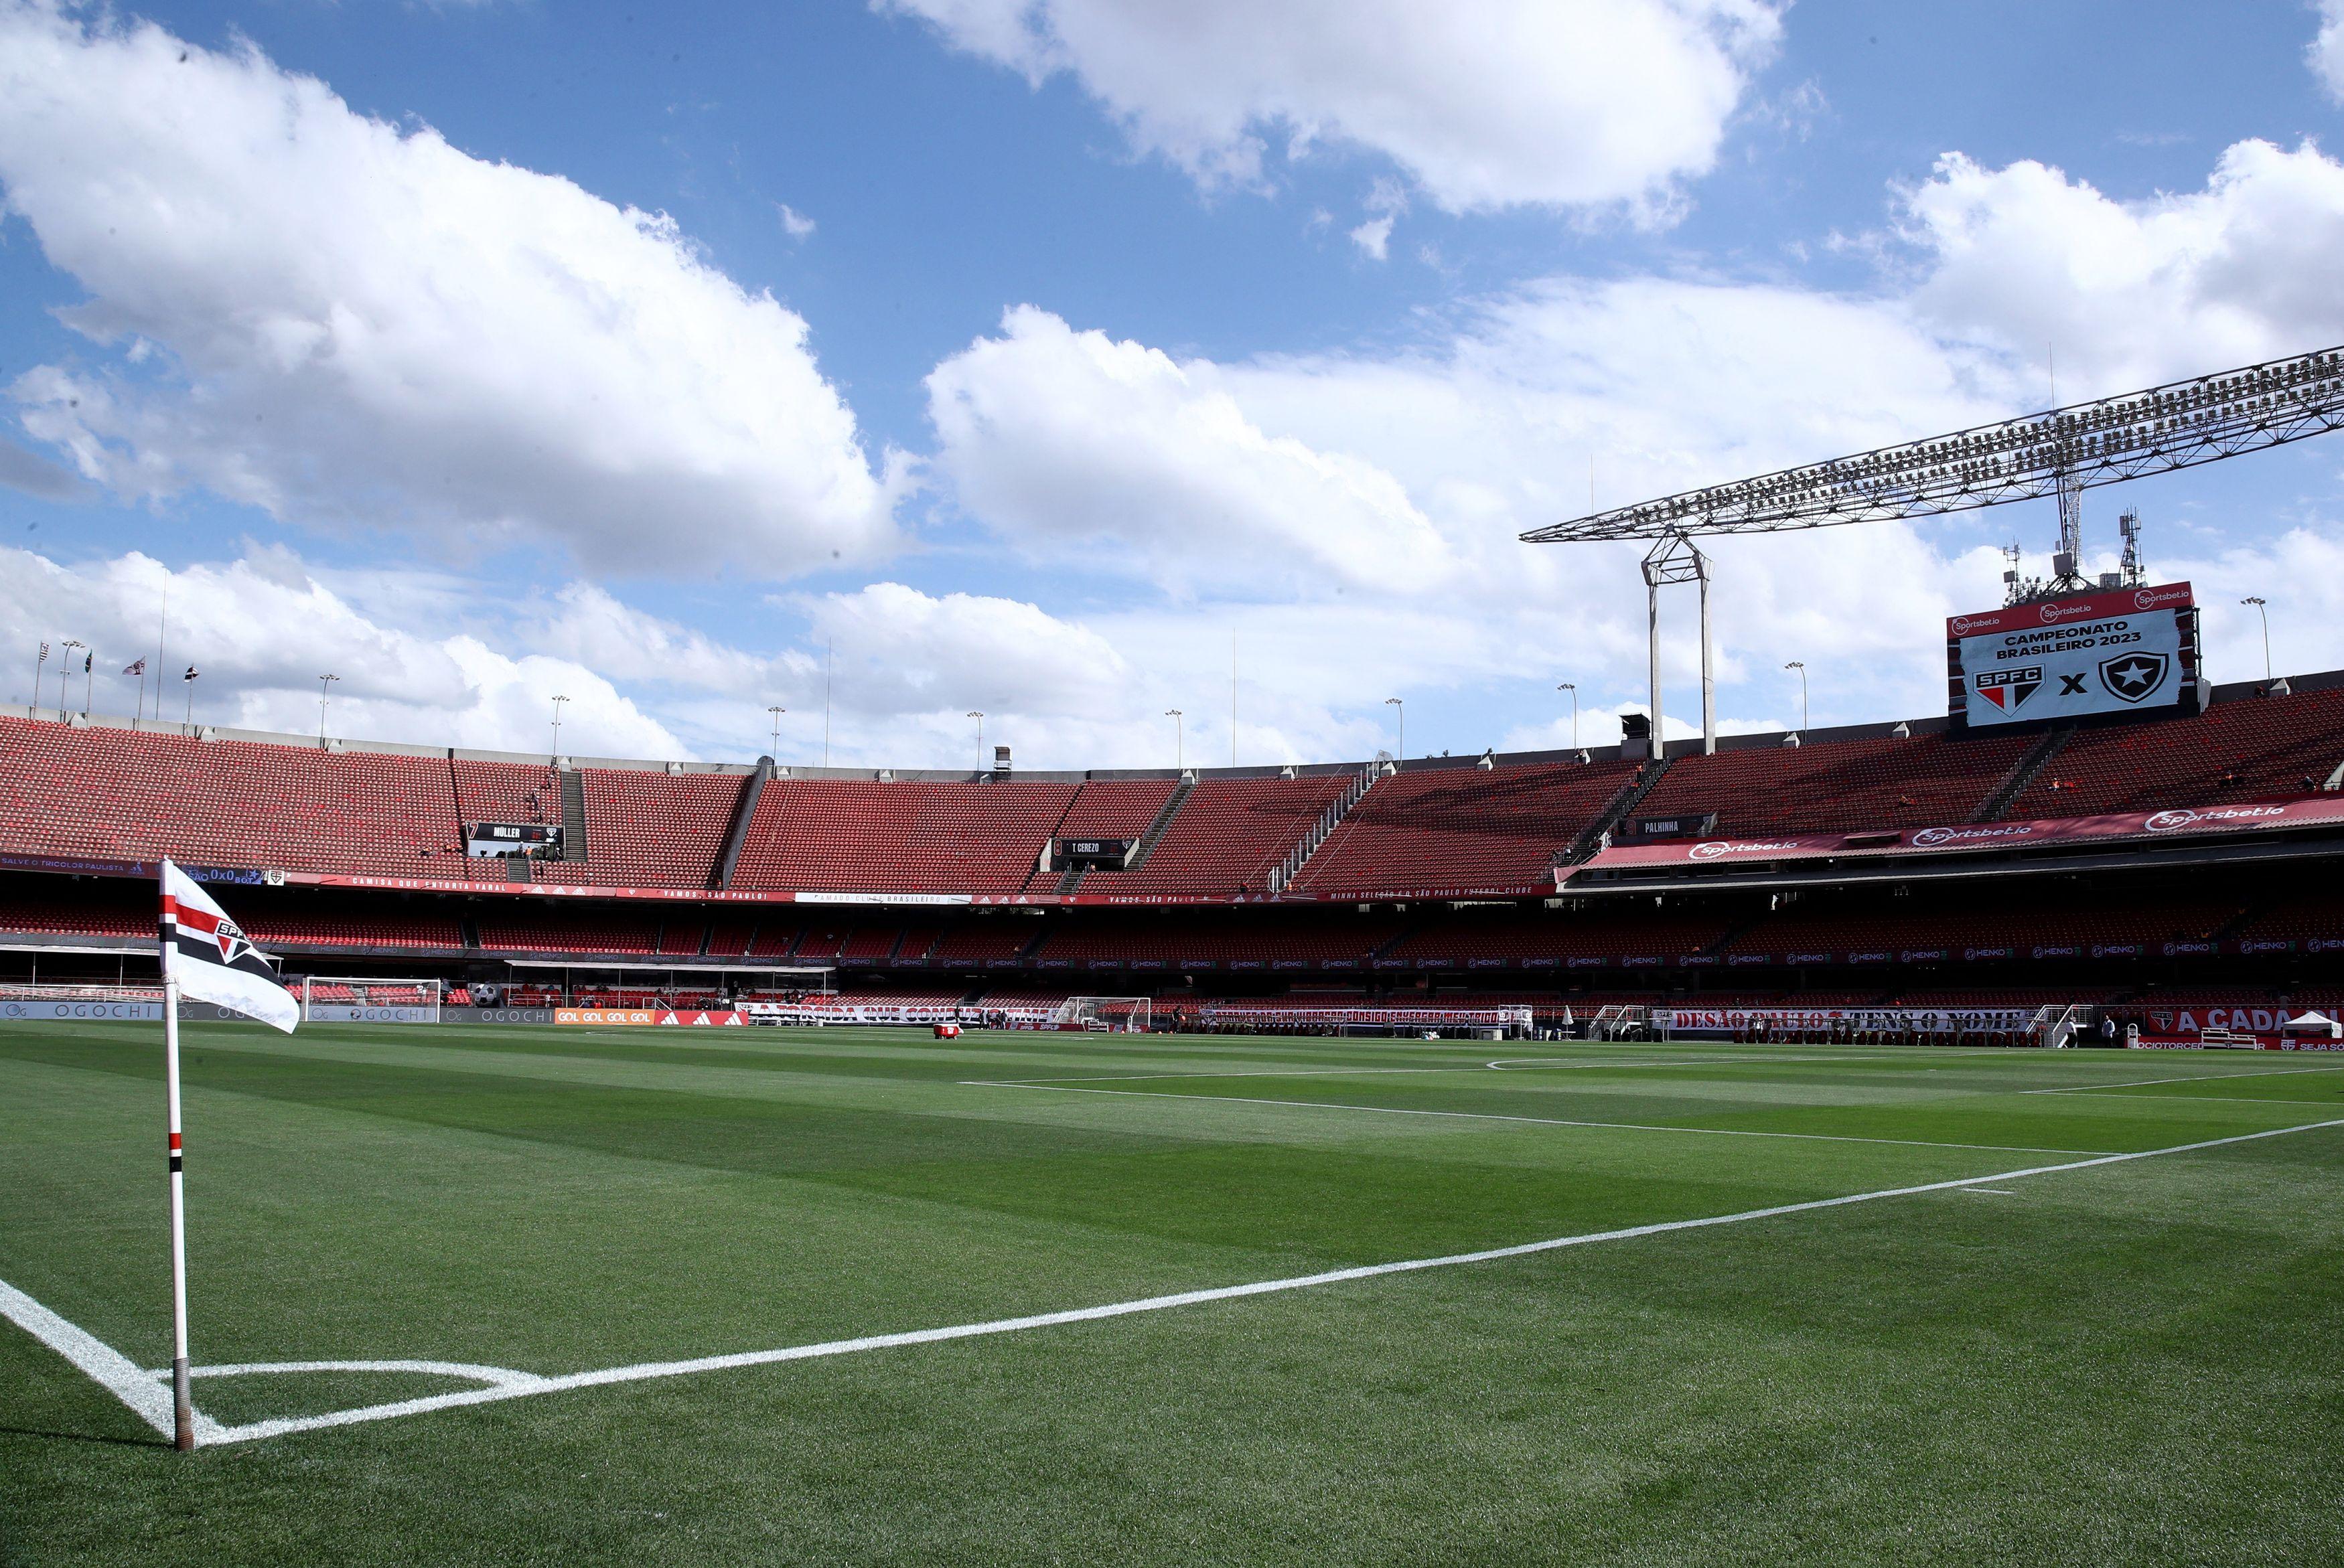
(1229, 835)
(1176, 937)
(2255, 748)
(1601, 934)
(121, 794)
(569, 932)
(880, 836)
(436, 932)
(1839, 787)
(94, 915)
(1462, 827)
(657, 829)
(978, 941)
(505, 791)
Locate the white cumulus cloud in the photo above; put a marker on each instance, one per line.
(262, 629)
(2326, 56)
(1065, 439)
(345, 321)
(1485, 103)
(2131, 293)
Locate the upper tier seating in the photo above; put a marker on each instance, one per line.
(1838, 786)
(868, 835)
(1107, 809)
(1462, 827)
(2252, 748)
(657, 829)
(505, 791)
(121, 795)
(1227, 836)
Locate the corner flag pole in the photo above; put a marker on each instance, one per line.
(183, 1408)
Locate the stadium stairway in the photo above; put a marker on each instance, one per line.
(1627, 800)
(738, 833)
(573, 815)
(1163, 823)
(2022, 773)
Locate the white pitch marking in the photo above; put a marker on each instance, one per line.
(107, 1367)
(648, 1370)
(1535, 1121)
(503, 1377)
(1506, 1064)
(2184, 1078)
(1998, 1191)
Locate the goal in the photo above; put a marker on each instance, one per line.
(365, 999)
(1103, 1014)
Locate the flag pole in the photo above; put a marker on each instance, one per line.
(183, 1409)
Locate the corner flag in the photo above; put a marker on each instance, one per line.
(207, 955)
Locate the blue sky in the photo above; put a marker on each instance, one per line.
(1018, 354)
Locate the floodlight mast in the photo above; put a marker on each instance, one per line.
(2060, 452)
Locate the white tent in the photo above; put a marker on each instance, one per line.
(2313, 1023)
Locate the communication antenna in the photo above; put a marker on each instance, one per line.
(2128, 524)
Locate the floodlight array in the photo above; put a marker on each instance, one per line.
(2177, 425)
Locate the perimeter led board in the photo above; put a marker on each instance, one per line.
(2132, 651)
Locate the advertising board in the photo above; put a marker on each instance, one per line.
(2129, 651)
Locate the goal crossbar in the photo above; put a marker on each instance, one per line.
(370, 999)
(1105, 1014)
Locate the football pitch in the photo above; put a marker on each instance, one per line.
(560, 1296)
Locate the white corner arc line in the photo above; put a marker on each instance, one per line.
(1534, 1120)
(12, 1300)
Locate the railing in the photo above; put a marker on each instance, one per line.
(1323, 828)
(1613, 1022)
(2054, 1026)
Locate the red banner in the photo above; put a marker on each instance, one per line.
(2183, 822)
(2065, 611)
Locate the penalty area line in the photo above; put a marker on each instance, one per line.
(123, 1384)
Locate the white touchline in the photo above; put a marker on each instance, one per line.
(1534, 1120)
(149, 1394)
(133, 1387)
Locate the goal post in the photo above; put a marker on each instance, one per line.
(370, 999)
(1105, 1014)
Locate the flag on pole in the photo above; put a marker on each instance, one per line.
(137, 668)
(210, 959)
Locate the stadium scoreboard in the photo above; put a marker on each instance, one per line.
(2121, 650)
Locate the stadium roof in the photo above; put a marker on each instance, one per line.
(2179, 425)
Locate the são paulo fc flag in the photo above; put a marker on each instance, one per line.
(207, 955)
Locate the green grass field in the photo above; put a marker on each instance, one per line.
(2128, 1362)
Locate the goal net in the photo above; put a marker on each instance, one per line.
(1103, 1014)
(362, 999)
